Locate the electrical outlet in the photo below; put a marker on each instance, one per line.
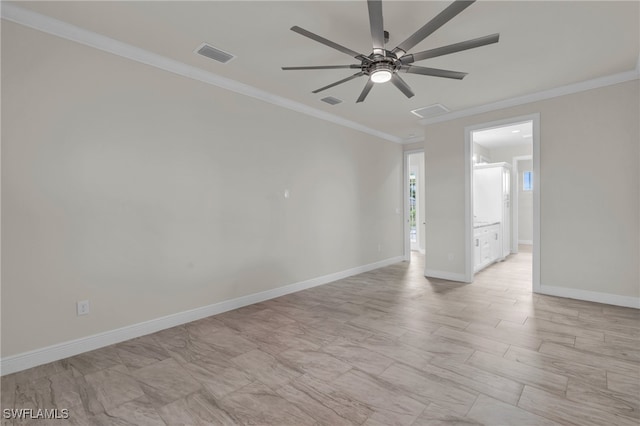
(450, 257)
(82, 307)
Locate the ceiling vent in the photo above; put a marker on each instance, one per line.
(214, 53)
(430, 111)
(331, 100)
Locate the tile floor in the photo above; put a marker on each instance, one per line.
(387, 347)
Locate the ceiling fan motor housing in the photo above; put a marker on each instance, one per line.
(380, 65)
(375, 62)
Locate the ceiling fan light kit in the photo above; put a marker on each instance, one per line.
(381, 72)
(383, 65)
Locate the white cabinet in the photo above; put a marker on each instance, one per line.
(492, 206)
(487, 245)
(496, 243)
(477, 252)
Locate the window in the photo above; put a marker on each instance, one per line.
(527, 181)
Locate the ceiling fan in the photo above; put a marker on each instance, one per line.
(383, 65)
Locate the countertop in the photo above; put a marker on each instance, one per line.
(480, 224)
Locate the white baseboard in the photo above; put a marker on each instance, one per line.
(23, 361)
(526, 242)
(591, 296)
(444, 275)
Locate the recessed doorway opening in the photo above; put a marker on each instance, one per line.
(414, 229)
(502, 197)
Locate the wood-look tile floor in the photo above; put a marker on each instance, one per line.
(387, 347)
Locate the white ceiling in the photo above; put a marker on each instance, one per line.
(498, 137)
(543, 45)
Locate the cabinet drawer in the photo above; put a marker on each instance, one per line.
(478, 232)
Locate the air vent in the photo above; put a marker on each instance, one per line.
(331, 100)
(214, 53)
(430, 111)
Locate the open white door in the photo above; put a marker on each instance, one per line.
(414, 229)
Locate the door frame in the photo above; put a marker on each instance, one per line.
(405, 202)
(468, 191)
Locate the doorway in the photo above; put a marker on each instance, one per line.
(506, 145)
(414, 229)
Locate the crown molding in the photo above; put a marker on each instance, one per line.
(539, 96)
(413, 139)
(533, 97)
(46, 24)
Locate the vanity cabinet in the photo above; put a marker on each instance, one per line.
(492, 200)
(487, 245)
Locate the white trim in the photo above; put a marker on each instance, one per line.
(406, 241)
(536, 203)
(491, 165)
(444, 275)
(413, 139)
(14, 363)
(468, 206)
(591, 296)
(48, 25)
(538, 96)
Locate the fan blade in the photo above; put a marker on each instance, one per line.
(326, 42)
(365, 91)
(452, 48)
(435, 72)
(344, 80)
(442, 18)
(377, 27)
(324, 67)
(402, 85)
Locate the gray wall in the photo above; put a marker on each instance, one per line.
(505, 154)
(150, 194)
(525, 198)
(525, 204)
(589, 180)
